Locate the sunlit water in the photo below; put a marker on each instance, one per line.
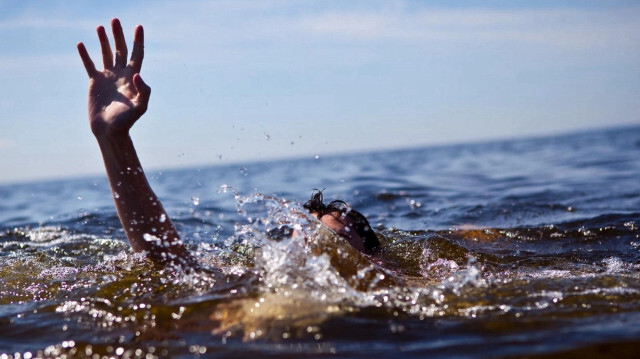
(524, 247)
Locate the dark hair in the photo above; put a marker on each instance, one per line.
(360, 223)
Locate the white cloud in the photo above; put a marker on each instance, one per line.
(232, 21)
(200, 30)
(567, 28)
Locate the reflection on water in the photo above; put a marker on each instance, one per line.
(492, 275)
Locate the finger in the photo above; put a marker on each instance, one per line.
(138, 49)
(107, 55)
(144, 92)
(86, 60)
(121, 44)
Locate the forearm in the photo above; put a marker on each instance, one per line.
(143, 217)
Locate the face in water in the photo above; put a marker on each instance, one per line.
(344, 226)
(346, 222)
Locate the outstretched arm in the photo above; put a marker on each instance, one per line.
(117, 99)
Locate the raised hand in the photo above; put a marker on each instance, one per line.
(117, 99)
(117, 94)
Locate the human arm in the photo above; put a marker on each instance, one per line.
(118, 97)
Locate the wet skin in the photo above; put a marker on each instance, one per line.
(343, 226)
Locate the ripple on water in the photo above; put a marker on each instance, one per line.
(488, 250)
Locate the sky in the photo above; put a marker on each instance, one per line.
(245, 81)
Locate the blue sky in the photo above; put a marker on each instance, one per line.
(256, 80)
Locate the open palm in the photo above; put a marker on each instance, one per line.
(117, 94)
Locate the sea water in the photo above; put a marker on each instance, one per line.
(525, 247)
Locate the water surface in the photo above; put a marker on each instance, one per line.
(502, 249)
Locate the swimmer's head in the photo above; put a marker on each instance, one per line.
(345, 221)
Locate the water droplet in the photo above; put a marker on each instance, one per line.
(267, 137)
(162, 218)
(195, 200)
(116, 195)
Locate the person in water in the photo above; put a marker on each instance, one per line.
(118, 97)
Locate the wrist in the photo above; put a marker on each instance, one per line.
(102, 131)
(115, 139)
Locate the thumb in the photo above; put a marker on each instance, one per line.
(144, 92)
